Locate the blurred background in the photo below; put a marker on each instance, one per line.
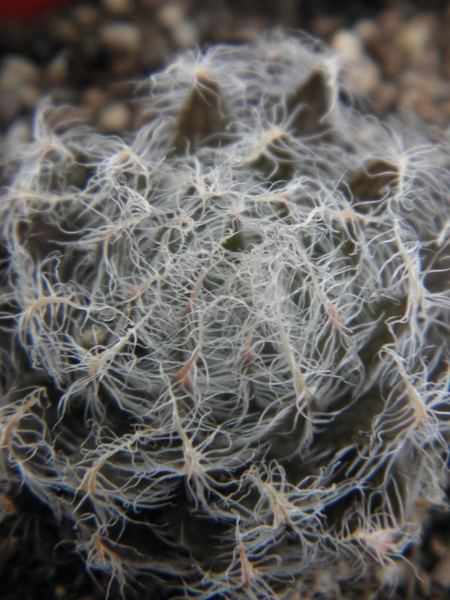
(90, 54)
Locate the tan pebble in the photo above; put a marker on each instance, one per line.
(414, 39)
(419, 102)
(58, 68)
(170, 15)
(368, 31)
(86, 15)
(95, 97)
(390, 20)
(28, 96)
(64, 30)
(16, 71)
(427, 110)
(118, 7)
(363, 75)
(427, 84)
(185, 34)
(324, 26)
(18, 133)
(122, 36)
(347, 44)
(409, 97)
(115, 117)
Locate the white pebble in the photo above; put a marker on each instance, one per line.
(115, 117)
(347, 44)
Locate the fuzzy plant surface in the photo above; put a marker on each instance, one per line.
(225, 354)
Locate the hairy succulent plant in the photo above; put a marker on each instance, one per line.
(226, 340)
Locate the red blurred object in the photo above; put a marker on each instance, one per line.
(22, 10)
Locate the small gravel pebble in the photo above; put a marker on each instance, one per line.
(413, 38)
(86, 15)
(363, 75)
(17, 70)
(368, 31)
(94, 43)
(64, 30)
(119, 8)
(114, 117)
(170, 15)
(18, 133)
(347, 44)
(121, 36)
(185, 34)
(18, 87)
(359, 71)
(58, 69)
(95, 97)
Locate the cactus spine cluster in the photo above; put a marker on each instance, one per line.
(225, 340)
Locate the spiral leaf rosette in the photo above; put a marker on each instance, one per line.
(226, 338)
